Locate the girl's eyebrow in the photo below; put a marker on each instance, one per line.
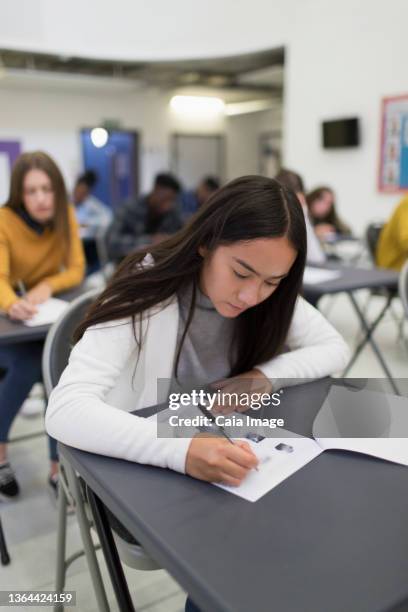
(250, 269)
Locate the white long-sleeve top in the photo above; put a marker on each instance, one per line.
(106, 378)
(315, 253)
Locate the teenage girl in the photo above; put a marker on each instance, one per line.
(218, 300)
(323, 214)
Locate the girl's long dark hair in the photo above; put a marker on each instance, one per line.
(245, 209)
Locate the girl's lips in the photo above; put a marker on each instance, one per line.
(235, 307)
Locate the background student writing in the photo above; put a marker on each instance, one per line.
(220, 299)
(40, 249)
(323, 214)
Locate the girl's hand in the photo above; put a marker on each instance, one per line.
(250, 382)
(21, 310)
(215, 459)
(323, 229)
(39, 294)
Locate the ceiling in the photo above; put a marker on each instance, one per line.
(258, 74)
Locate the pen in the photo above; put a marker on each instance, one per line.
(210, 416)
(21, 288)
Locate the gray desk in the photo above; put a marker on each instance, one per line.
(353, 279)
(12, 332)
(331, 538)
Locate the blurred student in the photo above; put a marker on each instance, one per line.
(294, 181)
(92, 215)
(323, 214)
(90, 212)
(148, 220)
(392, 249)
(40, 254)
(191, 200)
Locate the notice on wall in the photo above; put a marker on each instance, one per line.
(393, 170)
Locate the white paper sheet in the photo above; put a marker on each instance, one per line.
(381, 417)
(344, 410)
(48, 312)
(314, 276)
(275, 465)
(389, 449)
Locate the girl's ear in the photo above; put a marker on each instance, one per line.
(202, 251)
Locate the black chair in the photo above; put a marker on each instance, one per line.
(4, 556)
(403, 287)
(372, 236)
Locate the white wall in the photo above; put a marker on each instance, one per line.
(50, 117)
(354, 54)
(242, 137)
(140, 30)
(51, 120)
(342, 58)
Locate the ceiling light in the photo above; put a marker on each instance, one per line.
(197, 105)
(250, 106)
(99, 137)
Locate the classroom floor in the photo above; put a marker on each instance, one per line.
(30, 521)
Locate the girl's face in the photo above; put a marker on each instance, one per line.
(322, 205)
(38, 195)
(244, 274)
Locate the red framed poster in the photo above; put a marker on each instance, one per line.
(393, 167)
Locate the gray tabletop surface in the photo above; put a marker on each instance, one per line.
(331, 538)
(12, 332)
(353, 278)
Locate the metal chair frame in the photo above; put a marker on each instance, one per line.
(71, 492)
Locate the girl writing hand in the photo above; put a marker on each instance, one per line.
(217, 460)
(21, 310)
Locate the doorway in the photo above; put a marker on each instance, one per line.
(194, 156)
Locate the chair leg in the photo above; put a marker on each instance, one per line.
(5, 558)
(61, 543)
(87, 542)
(395, 315)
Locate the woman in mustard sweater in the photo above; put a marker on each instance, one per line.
(40, 249)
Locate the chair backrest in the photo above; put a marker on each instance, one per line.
(372, 235)
(403, 287)
(57, 349)
(58, 343)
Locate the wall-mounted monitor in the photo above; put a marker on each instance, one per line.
(341, 133)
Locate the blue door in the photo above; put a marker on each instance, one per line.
(116, 164)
